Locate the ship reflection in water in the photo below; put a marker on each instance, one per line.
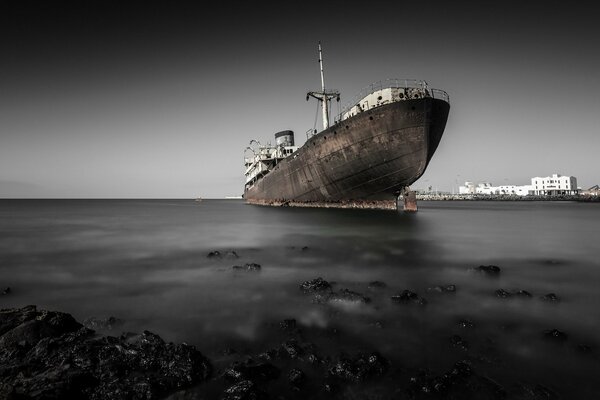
(147, 263)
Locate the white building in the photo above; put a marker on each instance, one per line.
(548, 186)
(554, 185)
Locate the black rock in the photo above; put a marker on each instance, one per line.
(490, 270)
(288, 324)
(359, 368)
(466, 323)
(555, 334)
(407, 297)
(442, 289)
(250, 370)
(49, 355)
(244, 390)
(296, 377)
(523, 294)
(461, 382)
(346, 296)
(269, 355)
(102, 324)
(214, 254)
(502, 293)
(551, 298)
(458, 341)
(292, 348)
(315, 285)
(6, 291)
(247, 267)
(231, 254)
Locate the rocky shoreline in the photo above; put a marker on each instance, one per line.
(49, 355)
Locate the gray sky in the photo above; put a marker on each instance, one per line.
(148, 100)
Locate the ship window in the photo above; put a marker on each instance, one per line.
(379, 98)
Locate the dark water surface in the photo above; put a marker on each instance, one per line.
(146, 263)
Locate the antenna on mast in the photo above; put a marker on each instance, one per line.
(324, 96)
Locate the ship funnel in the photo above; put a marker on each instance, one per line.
(284, 138)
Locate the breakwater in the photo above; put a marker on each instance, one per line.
(504, 197)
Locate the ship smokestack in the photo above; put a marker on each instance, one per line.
(284, 138)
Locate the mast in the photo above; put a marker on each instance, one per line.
(324, 96)
(324, 100)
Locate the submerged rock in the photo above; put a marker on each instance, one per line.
(466, 323)
(247, 267)
(551, 298)
(407, 297)
(489, 270)
(461, 382)
(443, 289)
(377, 285)
(292, 348)
(250, 370)
(359, 368)
(214, 254)
(315, 285)
(6, 291)
(345, 296)
(49, 355)
(555, 334)
(218, 255)
(523, 294)
(244, 390)
(503, 294)
(459, 342)
(288, 324)
(296, 377)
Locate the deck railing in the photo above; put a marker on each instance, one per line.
(392, 83)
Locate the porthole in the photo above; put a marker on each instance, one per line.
(379, 98)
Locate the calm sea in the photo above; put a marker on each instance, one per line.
(145, 262)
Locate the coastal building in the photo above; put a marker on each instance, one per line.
(554, 185)
(593, 191)
(472, 188)
(489, 189)
(547, 186)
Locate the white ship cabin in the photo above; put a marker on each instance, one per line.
(378, 95)
(264, 158)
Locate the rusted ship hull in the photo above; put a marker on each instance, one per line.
(363, 161)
